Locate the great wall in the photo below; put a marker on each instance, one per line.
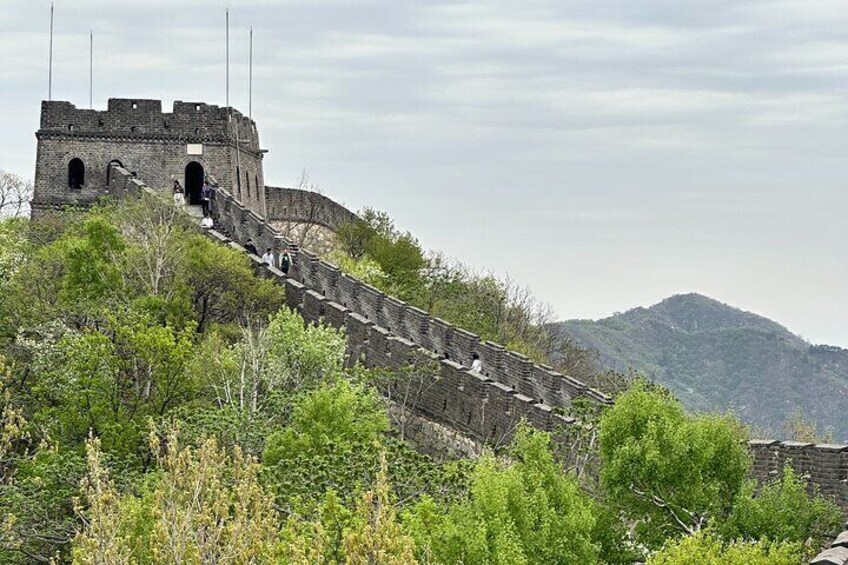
(383, 331)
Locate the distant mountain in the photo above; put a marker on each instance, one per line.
(716, 357)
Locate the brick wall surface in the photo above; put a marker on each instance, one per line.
(295, 205)
(144, 140)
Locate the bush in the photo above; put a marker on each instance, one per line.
(706, 548)
(783, 511)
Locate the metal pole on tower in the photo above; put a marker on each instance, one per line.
(50, 63)
(91, 69)
(228, 56)
(250, 79)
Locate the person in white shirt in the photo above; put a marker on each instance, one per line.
(476, 364)
(206, 223)
(268, 258)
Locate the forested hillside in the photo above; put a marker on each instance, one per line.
(159, 404)
(715, 357)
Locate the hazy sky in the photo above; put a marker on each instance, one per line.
(606, 154)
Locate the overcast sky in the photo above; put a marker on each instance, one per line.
(606, 154)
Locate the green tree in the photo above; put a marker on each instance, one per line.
(333, 441)
(670, 472)
(783, 510)
(221, 285)
(705, 548)
(37, 483)
(108, 380)
(205, 505)
(526, 511)
(370, 533)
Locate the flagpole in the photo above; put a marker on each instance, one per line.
(250, 79)
(50, 63)
(91, 69)
(228, 56)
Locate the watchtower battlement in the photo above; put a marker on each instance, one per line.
(77, 149)
(127, 118)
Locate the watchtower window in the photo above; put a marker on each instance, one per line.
(135, 105)
(70, 127)
(76, 173)
(238, 182)
(256, 183)
(247, 183)
(132, 128)
(197, 107)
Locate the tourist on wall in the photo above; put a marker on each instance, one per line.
(268, 258)
(205, 198)
(285, 261)
(206, 223)
(179, 195)
(476, 364)
(251, 248)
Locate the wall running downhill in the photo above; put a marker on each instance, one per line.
(385, 332)
(329, 285)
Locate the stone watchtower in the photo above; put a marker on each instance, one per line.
(77, 149)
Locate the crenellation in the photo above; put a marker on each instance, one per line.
(370, 302)
(313, 306)
(327, 276)
(393, 313)
(294, 293)
(77, 148)
(416, 324)
(517, 368)
(440, 336)
(348, 291)
(335, 314)
(491, 354)
(464, 345)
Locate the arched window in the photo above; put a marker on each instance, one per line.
(247, 183)
(112, 163)
(238, 182)
(76, 173)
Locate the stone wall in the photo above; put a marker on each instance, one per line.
(142, 139)
(338, 296)
(385, 332)
(304, 206)
(825, 465)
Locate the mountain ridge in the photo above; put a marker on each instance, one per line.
(717, 357)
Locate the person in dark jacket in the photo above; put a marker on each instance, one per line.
(285, 261)
(251, 248)
(205, 198)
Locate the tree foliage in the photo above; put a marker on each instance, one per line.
(15, 194)
(705, 548)
(158, 404)
(783, 510)
(527, 511)
(671, 472)
(204, 506)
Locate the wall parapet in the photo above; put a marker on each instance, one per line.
(128, 119)
(823, 465)
(297, 205)
(401, 319)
